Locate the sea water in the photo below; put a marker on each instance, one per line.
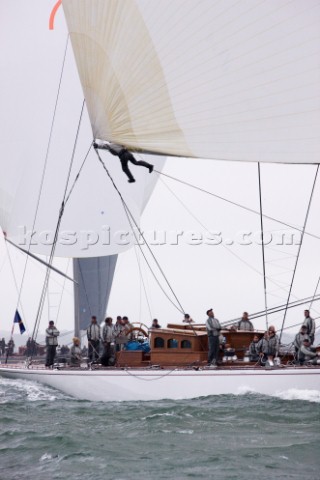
(47, 435)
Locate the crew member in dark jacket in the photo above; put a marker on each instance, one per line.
(125, 157)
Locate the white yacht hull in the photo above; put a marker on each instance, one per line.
(143, 385)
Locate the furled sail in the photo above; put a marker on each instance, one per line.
(209, 79)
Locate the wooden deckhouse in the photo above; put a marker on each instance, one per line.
(182, 345)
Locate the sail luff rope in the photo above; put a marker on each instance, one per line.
(44, 167)
(262, 246)
(251, 210)
(61, 211)
(129, 214)
(300, 246)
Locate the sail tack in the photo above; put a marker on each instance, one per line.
(209, 79)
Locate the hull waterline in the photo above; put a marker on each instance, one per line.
(144, 385)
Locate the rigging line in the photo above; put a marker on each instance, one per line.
(224, 246)
(300, 246)
(61, 211)
(127, 211)
(234, 203)
(16, 285)
(262, 246)
(45, 164)
(63, 286)
(108, 286)
(78, 175)
(143, 284)
(276, 309)
(84, 285)
(34, 257)
(315, 291)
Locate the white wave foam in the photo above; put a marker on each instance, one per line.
(295, 394)
(245, 390)
(24, 388)
(155, 415)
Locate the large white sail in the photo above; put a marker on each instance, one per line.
(94, 222)
(202, 78)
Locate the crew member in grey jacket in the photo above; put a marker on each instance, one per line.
(273, 348)
(244, 323)
(52, 334)
(213, 329)
(308, 353)
(93, 334)
(310, 324)
(108, 341)
(298, 339)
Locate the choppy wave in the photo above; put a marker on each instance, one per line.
(227, 437)
(27, 390)
(291, 394)
(33, 392)
(295, 394)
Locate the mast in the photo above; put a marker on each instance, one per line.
(262, 246)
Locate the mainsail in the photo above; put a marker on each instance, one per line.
(209, 79)
(94, 277)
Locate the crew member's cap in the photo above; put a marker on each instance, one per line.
(51, 322)
(208, 311)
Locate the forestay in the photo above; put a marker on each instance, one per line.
(210, 79)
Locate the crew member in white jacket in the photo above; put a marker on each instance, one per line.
(52, 334)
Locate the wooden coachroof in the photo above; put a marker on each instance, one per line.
(182, 345)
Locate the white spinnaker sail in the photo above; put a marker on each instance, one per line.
(202, 78)
(94, 222)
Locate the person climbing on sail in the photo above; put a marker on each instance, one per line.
(125, 157)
